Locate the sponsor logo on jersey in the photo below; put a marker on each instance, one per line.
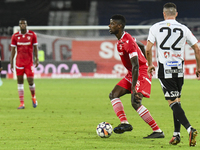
(173, 63)
(172, 94)
(23, 43)
(166, 54)
(176, 55)
(168, 24)
(167, 94)
(169, 71)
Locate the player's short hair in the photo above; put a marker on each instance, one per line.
(121, 19)
(22, 19)
(170, 9)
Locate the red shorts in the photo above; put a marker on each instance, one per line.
(143, 84)
(25, 69)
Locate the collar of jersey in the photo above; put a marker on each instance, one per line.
(123, 35)
(25, 33)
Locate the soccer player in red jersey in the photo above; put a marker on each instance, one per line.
(0, 73)
(0, 62)
(25, 43)
(137, 82)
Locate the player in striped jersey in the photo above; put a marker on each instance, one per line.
(137, 82)
(170, 37)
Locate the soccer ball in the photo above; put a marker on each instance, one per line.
(104, 130)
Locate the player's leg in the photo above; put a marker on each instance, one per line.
(169, 87)
(20, 85)
(30, 78)
(172, 90)
(177, 126)
(31, 86)
(143, 88)
(180, 115)
(114, 96)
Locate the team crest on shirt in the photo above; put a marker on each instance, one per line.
(168, 24)
(28, 37)
(166, 54)
(18, 38)
(120, 47)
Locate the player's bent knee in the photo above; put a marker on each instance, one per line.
(111, 96)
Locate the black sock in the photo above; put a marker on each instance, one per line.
(177, 124)
(180, 115)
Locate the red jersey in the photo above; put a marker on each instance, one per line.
(24, 44)
(128, 48)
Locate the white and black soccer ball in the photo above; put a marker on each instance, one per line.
(104, 129)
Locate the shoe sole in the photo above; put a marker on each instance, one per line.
(21, 108)
(120, 130)
(154, 137)
(175, 142)
(193, 138)
(159, 137)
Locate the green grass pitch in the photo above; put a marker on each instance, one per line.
(70, 109)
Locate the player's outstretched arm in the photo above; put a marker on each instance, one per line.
(197, 56)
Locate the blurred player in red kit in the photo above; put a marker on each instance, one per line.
(137, 82)
(0, 66)
(25, 43)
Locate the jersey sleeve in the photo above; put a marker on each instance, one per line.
(151, 36)
(132, 48)
(13, 41)
(190, 38)
(34, 39)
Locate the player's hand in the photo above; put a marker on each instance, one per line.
(150, 71)
(36, 62)
(198, 74)
(136, 96)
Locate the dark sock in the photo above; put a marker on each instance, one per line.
(180, 115)
(177, 124)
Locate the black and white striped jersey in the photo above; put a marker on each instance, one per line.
(170, 37)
